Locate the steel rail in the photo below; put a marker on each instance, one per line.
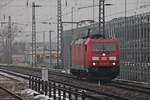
(118, 84)
(12, 94)
(83, 87)
(132, 87)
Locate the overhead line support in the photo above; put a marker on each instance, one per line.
(59, 34)
(33, 36)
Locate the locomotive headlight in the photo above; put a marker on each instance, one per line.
(114, 63)
(95, 58)
(112, 58)
(94, 63)
(103, 54)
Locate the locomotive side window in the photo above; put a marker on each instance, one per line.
(99, 47)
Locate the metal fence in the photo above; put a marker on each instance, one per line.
(59, 91)
(134, 35)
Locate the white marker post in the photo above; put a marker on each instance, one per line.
(44, 73)
(99, 83)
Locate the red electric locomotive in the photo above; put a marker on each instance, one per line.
(95, 58)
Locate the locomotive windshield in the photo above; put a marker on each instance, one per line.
(107, 47)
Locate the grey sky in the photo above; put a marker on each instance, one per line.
(22, 15)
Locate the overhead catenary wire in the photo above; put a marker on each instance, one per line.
(68, 13)
(76, 10)
(8, 2)
(121, 12)
(88, 6)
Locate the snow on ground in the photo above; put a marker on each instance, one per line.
(35, 95)
(42, 97)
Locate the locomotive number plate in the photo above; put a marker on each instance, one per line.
(103, 58)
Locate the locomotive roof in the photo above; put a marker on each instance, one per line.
(83, 39)
(80, 41)
(97, 36)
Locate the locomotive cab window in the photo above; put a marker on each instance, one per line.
(107, 47)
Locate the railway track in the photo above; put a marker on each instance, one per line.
(130, 86)
(93, 86)
(89, 89)
(5, 94)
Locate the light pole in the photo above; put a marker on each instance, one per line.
(9, 42)
(44, 48)
(125, 28)
(50, 48)
(72, 20)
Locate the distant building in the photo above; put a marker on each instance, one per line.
(41, 51)
(22, 53)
